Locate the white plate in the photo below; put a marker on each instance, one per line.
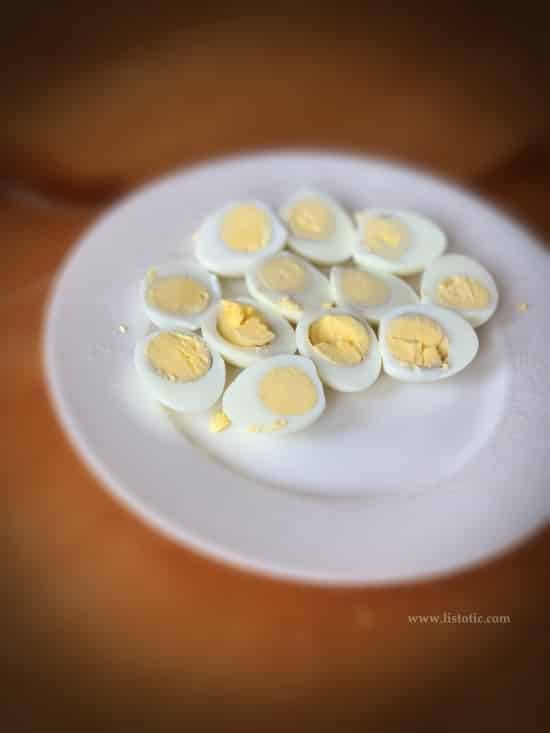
(399, 482)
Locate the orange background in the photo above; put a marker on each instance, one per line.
(109, 625)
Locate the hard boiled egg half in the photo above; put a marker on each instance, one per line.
(396, 241)
(232, 238)
(369, 294)
(244, 332)
(179, 370)
(343, 347)
(288, 285)
(425, 343)
(318, 227)
(462, 284)
(179, 295)
(279, 395)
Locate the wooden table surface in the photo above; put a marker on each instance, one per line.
(111, 626)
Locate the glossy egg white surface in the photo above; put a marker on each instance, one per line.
(463, 344)
(216, 256)
(426, 242)
(242, 403)
(399, 293)
(165, 319)
(454, 264)
(315, 294)
(194, 396)
(243, 356)
(337, 246)
(343, 378)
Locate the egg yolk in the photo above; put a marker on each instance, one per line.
(246, 228)
(463, 293)
(287, 391)
(290, 305)
(341, 339)
(177, 294)
(363, 288)
(310, 218)
(219, 422)
(386, 236)
(283, 275)
(178, 357)
(243, 325)
(418, 341)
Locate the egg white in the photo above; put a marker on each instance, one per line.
(243, 356)
(242, 403)
(463, 344)
(216, 256)
(454, 264)
(337, 246)
(426, 242)
(195, 396)
(314, 295)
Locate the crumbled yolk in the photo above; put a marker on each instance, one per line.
(310, 218)
(178, 294)
(523, 307)
(243, 325)
(283, 275)
(179, 357)
(341, 339)
(463, 293)
(219, 422)
(363, 288)
(270, 427)
(418, 341)
(386, 236)
(290, 305)
(246, 228)
(287, 391)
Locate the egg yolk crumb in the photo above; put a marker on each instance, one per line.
(363, 288)
(219, 422)
(386, 236)
(270, 427)
(287, 391)
(177, 294)
(246, 228)
(523, 307)
(283, 275)
(341, 339)
(290, 305)
(179, 357)
(463, 293)
(310, 218)
(418, 341)
(243, 325)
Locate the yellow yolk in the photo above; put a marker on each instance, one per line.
(243, 325)
(418, 341)
(339, 338)
(386, 237)
(283, 275)
(288, 391)
(462, 292)
(178, 294)
(270, 427)
(179, 357)
(364, 289)
(219, 422)
(246, 228)
(291, 305)
(311, 219)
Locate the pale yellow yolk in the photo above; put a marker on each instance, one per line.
(270, 427)
(364, 289)
(418, 341)
(246, 228)
(463, 293)
(291, 305)
(340, 339)
(283, 275)
(179, 357)
(243, 325)
(311, 219)
(386, 237)
(178, 294)
(288, 391)
(219, 422)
